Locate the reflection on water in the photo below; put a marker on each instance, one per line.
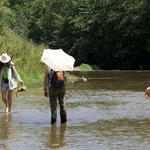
(107, 112)
(5, 129)
(57, 137)
(5, 126)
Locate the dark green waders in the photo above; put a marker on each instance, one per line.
(54, 95)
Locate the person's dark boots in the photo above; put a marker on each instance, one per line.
(63, 119)
(53, 120)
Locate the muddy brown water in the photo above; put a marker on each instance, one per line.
(108, 112)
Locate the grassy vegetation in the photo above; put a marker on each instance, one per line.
(86, 67)
(26, 57)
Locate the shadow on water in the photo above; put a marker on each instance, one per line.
(107, 112)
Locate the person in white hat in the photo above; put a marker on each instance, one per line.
(8, 80)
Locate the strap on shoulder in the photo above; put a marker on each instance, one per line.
(50, 74)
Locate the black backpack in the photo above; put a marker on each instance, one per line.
(56, 78)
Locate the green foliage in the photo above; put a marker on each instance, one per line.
(95, 67)
(85, 67)
(25, 55)
(5, 15)
(109, 33)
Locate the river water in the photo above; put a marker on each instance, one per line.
(108, 112)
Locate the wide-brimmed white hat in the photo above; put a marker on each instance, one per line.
(4, 58)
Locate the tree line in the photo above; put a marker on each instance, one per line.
(112, 34)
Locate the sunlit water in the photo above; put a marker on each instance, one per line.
(108, 112)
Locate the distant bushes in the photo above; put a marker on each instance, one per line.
(86, 67)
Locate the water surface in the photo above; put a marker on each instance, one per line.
(107, 112)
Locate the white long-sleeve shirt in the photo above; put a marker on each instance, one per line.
(13, 76)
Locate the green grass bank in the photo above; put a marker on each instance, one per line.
(26, 57)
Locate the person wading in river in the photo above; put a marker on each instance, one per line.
(8, 80)
(56, 88)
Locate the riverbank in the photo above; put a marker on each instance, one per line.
(34, 78)
(26, 56)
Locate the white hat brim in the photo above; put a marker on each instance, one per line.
(5, 61)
